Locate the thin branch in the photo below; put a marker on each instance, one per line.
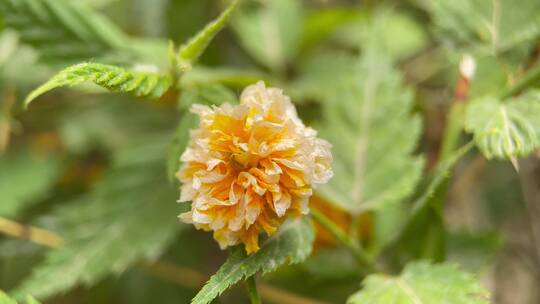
(32, 234)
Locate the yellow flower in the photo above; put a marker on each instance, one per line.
(250, 166)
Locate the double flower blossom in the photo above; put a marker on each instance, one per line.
(250, 166)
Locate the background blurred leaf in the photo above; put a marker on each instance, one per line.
(233, 77)
(321, 23)
(331, 263)
(421, 282)
(62, 30)
(207, 94)
(14, 56)
(505, 129)
(179, 144)
(138, 83)
(112, 124)
(8, 46)
(271, 32)
(4, 299)
(320, 74)
(128, 216)
(25, 178)
(373, 133)
(291, 244)
(399, 33)
(497, 25)
(148, 16)
(474, 251)
(97, 3)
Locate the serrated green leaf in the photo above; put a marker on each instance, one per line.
(505, 130)
(62, 30)
(422, 283)
(130, 215)
(271, 32)
(292, 244)
(5, 299)
(25, 178)
(117, 79)
(373, 133)
(194, 48)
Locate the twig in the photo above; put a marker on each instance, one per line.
(34, 235)
(179, 275)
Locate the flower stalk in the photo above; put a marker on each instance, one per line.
(254, 296)
(354, 247)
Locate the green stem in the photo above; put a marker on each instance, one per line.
(252, 291)
(532, 76)
(355, 227)
(452, 133)
(360, 255)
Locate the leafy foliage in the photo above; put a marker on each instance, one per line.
(505, 129)
(368, 121)
(127, 217)
(4, 299)
(24, 179)
(498, 34)
(399, 33)
(139, 83)
(423, 283)
(62, 30)
(292, 244)
(418, 284)
(193, 49)
(498, 25)
(271, 32)
(109, 198)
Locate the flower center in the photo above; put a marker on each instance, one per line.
(240, 161)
